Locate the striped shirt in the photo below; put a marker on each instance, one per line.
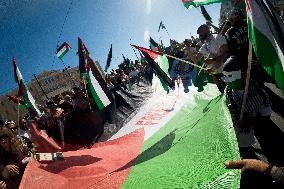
(256, 97)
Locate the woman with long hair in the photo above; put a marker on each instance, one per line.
(13, 160)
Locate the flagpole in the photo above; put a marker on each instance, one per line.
(168, 33)
(41, 87)
(247, 82)
(18, 111)
(187, 62)
(68, 73)
(135, 53)
(85, 90)
(170, 56)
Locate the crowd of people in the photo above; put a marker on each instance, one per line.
(221, 51)
(126, 75)
(16, 146)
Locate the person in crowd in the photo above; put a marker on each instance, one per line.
(237, 40)
(32, 115)
(13, 158)
(3, 184)
(67, 104)
(56, 99)
(213, 51)
(81, 102)
(24, 130)
(257, 107)
(27, 144)
(276, 173)
(54, 124)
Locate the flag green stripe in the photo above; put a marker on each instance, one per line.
(266, 54)
(163, 62)
(190, 150)
(63, 53)
(29, 100)
(92, 90)
(198, 3)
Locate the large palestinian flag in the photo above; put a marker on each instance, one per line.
(196, 3)
(176, 141)
(266, 34)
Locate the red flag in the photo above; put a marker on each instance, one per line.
(14, 99)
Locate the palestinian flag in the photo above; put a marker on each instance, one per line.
(160, 65)
(266, 34)
(161, 26)
(62, 50)
(94, 81)
(196, 3)
(205, 14)
(154, 45)
(17, 101)
(83, 54)
(156, 149)
(23, 89)
(108, 58)
(100, 77)
(18, 77)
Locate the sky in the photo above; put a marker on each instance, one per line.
(31, 29)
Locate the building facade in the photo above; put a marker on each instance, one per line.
(52, 83)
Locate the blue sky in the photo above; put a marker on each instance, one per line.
(30, 30)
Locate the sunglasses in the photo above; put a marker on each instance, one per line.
(4, 137)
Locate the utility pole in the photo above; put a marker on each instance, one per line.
(41, 87)
(68, 73)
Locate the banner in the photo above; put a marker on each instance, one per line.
(161, 147)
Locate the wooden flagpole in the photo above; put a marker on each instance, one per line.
(247, 82)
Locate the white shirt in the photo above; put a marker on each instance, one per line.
(212, 46)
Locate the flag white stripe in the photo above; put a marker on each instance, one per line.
(32, 101)
(61, 51)
(19, 75)
(99, 90)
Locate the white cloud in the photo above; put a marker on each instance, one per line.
(148, 6)
(146, 34)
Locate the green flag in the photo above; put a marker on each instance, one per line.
(196, 3)
(267, 37)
